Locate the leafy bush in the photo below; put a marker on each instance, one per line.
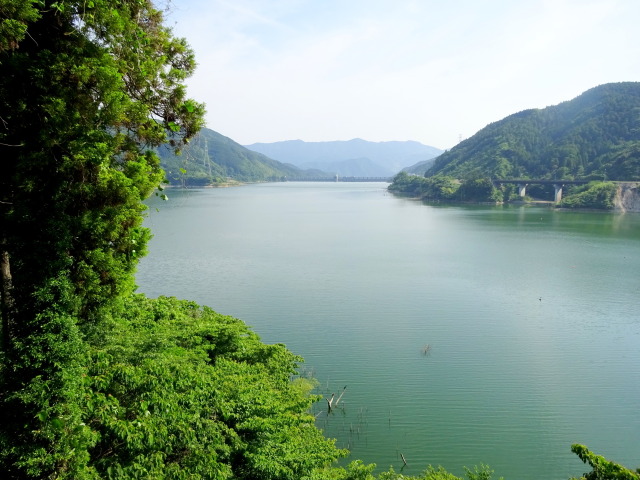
(598, 195)
(443, 187)
(180, 391)
(602, 469)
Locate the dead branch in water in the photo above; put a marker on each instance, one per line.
(330, 402)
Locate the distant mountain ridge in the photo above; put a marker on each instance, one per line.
(355, 157)
(594, 136)
(211, 158)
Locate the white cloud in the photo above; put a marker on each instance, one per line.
(398, 69)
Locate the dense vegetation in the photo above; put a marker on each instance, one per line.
(180, 390)
(443, 188)
(211, 158)
(595, 136)
(446, 188)
(97, 381)
(594, 195)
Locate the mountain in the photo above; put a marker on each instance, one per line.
(355, 167)
(421, 167)
(213, 158)
(594, 136)
(349, 158)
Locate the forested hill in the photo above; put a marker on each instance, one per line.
(212, 158)
(594, 136)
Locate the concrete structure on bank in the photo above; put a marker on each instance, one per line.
(557, 185)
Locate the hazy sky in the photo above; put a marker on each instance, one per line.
(433, 71)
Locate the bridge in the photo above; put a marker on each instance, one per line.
(557, 185)
(337, 178)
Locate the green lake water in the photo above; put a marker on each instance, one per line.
(531, 316)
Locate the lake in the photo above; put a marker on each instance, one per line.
(464, 334)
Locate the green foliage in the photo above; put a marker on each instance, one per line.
(446, 188)
(15, 15)
(357, 470)
(172, 390)
(602, 469)
(179, 391)
(42, 427)
(478, 190)
(595, 136)
(598, 195)
(87, 90)
(434, 188)
(483, 472)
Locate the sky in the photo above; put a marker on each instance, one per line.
(433, 71)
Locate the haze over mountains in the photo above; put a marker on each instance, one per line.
(357, 157)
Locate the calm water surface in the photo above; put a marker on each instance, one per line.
(531, 315)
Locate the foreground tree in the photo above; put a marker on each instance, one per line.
(87, 88)
(184, 392)
(601, 468)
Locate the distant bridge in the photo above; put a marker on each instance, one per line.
(338, 178)
(557, 185)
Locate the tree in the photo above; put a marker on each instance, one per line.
(478, 190)
(597, 195)
(87, 89)
(184, 392)
(602, 469)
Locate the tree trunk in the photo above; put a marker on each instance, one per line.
(6, 297)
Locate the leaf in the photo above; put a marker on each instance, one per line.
(57, 423)
(189, 107)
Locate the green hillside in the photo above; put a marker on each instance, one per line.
(595, 136)
(212, 158)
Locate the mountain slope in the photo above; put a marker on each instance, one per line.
(343, 157)
(213, 158)
(421, 167)
(594, 136)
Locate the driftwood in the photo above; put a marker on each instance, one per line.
(330, 404)
(330, 401)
